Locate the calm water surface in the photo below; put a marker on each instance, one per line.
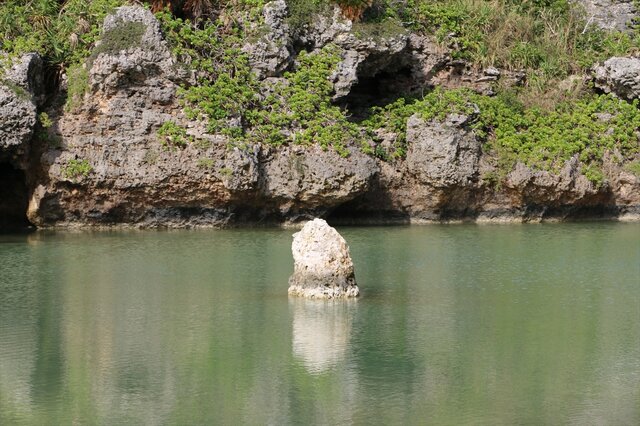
(489, 325)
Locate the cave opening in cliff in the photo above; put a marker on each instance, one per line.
(377, 90)
(14, 199)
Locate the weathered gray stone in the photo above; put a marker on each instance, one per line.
(540, 187)
(141, 62)
(609, 14)
(322, 264)
(442, 154)
(241, 170)
(270, 55)
(21, 90)
(325, 28)
(620, 76)
(366, 58)
(17, 118)
(311, 177)
(27, 73)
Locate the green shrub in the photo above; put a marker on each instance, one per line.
(44, 120)
(633, 167)
(172, 136)
(77, 168)
(205, 163)
(548, 39)
(231, 99)
(594, 174)
(301, 12)
(124, 36)
(77, 85)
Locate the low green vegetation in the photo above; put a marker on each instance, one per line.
(235, 103)
(634, 167)
(205, 163)
(45, 120)
(540, 138)
(63, 32)
(77, 85)
(124, 36)
(173, 136)
(77, 168)
(547, 38)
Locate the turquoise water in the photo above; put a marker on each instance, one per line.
(522, 324)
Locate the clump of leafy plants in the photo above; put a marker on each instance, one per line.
(173, 136)
(77, 85)
(235, 103)
(45, 120)
(549, 39)
(76, 168)
(205, 163)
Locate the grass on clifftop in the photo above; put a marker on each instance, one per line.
(61, 32)
(547, 38)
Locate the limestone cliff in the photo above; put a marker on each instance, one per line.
(102, 162)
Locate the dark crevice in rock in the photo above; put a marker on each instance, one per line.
(380, 89)
(14, 198)
(381, 81)
(359, 212)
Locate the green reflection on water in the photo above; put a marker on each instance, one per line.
(531, 324)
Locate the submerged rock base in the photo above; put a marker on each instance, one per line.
(324, 292)
(322, 264)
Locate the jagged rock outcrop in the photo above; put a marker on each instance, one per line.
(446, 177)
(133, 52)
(437, 180)
(609, 14)
(314, 178)
(365, 57)
(17, 116)
(442, 154)
(543, 191)
(271, 53)
(323, 268)
(620, 76)
(21, 90)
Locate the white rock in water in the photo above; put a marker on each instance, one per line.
(322, 265)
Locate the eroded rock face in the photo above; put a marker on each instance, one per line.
(130, 178)
(20, 93)
(271, 54)
(620, 76)
(442, 154)
(17, 117)
(143, 58)
(322, 264)
(315, 179)
(609, 14)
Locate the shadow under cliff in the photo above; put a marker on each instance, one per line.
(14, 199)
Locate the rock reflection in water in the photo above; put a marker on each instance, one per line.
(321, 331)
